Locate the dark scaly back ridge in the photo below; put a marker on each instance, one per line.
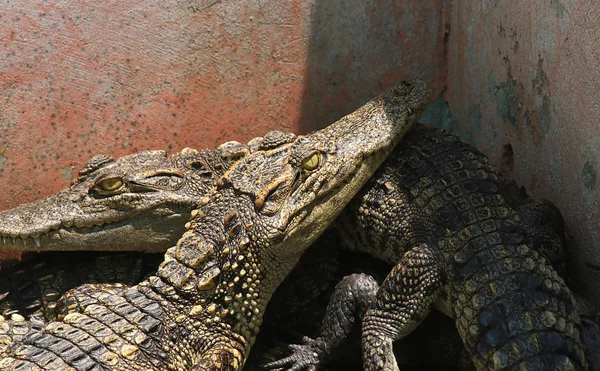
(504, 294)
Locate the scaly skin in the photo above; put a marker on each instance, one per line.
(151, 201)
(297, 306)
(203, 308)
(439, 212)
(33, 286)
(38, 283)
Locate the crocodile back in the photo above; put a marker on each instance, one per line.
(511, 308)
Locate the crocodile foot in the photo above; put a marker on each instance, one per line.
(306, 356)
(221, 357)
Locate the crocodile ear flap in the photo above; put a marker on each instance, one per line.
(275, 138)
(232, 150)
(94, 164)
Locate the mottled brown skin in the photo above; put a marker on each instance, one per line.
(438, 211)
(114, 204)
(38, 284)
(203, 308)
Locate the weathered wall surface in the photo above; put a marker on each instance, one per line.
(86, 77)
(524, 86)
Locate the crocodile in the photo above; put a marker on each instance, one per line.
(52, 272)
(440, 215)
(114, 204)
(547, 245)
(203, 308)
(295, 301)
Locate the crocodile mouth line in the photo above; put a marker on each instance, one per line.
(53, 232)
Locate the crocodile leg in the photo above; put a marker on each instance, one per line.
(403, 300)
(351, 299)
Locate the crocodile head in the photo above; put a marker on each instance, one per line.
(137, 202)
(267, 208)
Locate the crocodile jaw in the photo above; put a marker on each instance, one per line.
(61, 223)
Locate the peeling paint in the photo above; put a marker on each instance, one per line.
(588, 176)
(540, 86)
(558, 7)
(543, 114)
(67, 172)
(515, 38)
(474, 118)
(506, 97)
(527, 118)
(507, 160)
(540, 83)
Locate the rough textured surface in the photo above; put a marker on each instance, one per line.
(37, 283)
(461, 239)
(523, 85)
(33, 286)
(204, 307)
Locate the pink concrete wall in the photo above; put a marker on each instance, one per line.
(525, 75)
(85, 77)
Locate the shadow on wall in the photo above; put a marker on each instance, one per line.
(359, 48)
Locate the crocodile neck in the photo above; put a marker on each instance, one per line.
(221, 274)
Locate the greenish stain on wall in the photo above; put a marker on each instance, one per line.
(439, 114)
(558, 7)
(543, 114)
(67, 172)
(506, 97)
(588, 176)
(474, 117)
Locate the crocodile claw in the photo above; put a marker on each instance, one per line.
(306, 356)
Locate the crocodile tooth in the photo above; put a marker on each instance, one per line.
(37, 242)
(14, 240)
(4, 240)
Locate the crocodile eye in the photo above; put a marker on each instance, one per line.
(312, 161)
(110, 184)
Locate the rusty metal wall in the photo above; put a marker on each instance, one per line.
(524, 87)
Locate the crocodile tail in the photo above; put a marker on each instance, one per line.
(512, 309)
